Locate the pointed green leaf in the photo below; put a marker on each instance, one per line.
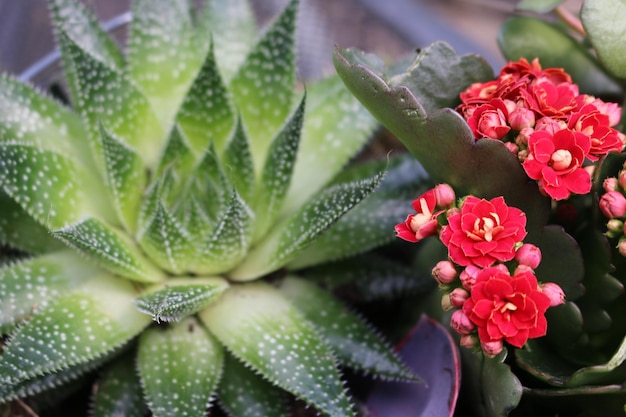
(28, 285)
(336, 127)
(238, 164)
(277, 172)
(242, 393)
(229, 242)
(267, 333)
(19, 230)
(163, 54)
(290, 237)
(167, 243)
(179, 297)
(45, 184)
(73, 329)
(79, 24)
(180, 366)
(602, 20)
(263, 87)
(110, 249)
(352, 340)
(528, 37)
(108, 96)
(126, 177)
(206, 114)
(210, 186)
(118, 391)
(232, 26)
(177, 154)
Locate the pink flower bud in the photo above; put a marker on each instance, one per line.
(621, 247)
(613, 204)
(611, 184)
(521, 268)
(457, 297)
(554, 293)
(614, 228)
(461, 323)
(444, 195)
(492, 348)
(528, 254)
(521, 118)
(468, 341)
(512, 147)
(523, 136)
(444, 272)
(446, 305)
(468, 276)
(621, 180)
(451, 212)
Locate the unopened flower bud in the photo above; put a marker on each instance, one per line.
(460, 323)
(444, 272)
(621, 179)
(521, 118)
(512, 147)
(621, 247)
(451, 212)
(554, 293)
(492, 348)
(610, 184)
(457, 297)
(468, 276)
(446, 305)
(444, 195)
(468, 341)
(613, 204)
(521, 268)
(522, 138)
(614, 228)
(528, 254)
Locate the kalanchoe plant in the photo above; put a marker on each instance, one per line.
(165, 215)
(543, 137)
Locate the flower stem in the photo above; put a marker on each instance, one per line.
(570, 19)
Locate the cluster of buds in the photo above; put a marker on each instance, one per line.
(613, 205)
(488, 279)
(543, 119)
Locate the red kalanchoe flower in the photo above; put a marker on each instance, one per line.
(484, 232)
(551, 100)
(555, 161)
(489, 120)
(422, 224)
(591, 122)
(507, 308)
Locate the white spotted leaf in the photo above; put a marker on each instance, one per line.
(352, 340)
(177, 154)
(263, 86)
(163, 53)
(180, 366)
(262, 329)
(125, 177)
(288, 238)
(180, 297)
(110, 249)
(277, 171)
(47, 185)
(335, 128)
(232, 28)
(27, 285)
(206, 114)
(210, 185)
(118, 391)
(243, 393)
(73, 329)
(110, 97)
(238, 164)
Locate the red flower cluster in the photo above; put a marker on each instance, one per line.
(545, 121)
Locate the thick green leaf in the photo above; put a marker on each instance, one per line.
(206, 114)
(118, 391)
(73, 329)
(336, 126)
(277, 172)
(163, 54)
(232, 26)
(210, 185)
(28, 285)
(238, 165)
(529, 38)
(538, 6)
(19, 230)
(126, 177)
(110, 249)
(180, 366)
(263, 87)
(45, 184)
(242, 393)
(180, 297)
(291, 236)
(438, 74)
(128, 113)
(268, 334)
(352, 340)
(177, 155)
(603, 22)
(81, 25)
(229, 242)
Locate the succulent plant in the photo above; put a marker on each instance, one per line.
(164, 217)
